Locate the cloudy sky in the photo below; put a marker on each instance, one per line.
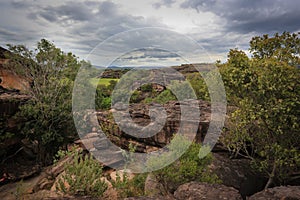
(92, 29)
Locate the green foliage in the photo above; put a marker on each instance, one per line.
(199, 86)
(284, 47)
(146, 87)
(103, 94)
(103, 81)
(265, 124)
(129, 187)
(48, 113)
(82, 177)
(182, 89)
(237, 76)
(164, 97)
(189, 167)
(4, 134)
(62, 153)
(136, 97)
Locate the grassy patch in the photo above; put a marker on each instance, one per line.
(102, 81)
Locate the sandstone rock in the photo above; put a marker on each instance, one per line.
(278, 193)
(58, 168)
(89, 142)
(44, 184)
(237, 173)
(153, 187)
(44, 194)
(151, 198)
(140, 116)
(110, 193)
(199, 191)
(56, 186)
(90, 135)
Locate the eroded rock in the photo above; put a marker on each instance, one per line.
(278, 193)
(237, 173)
(139, 114)
(201, 191)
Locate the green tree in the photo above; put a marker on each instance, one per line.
(237, 76)
(264, 126)
(48, 113)
(284, 47)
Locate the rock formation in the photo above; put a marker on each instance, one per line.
(140, 115)
(202, 191)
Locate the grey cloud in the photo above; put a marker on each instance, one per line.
(73, 11)
(10, 37)
(5, 32)
(96, 21)
(107, 8)
(19, 4)
(243, 16)
(149, 53)
(161, 3)
(46, 15)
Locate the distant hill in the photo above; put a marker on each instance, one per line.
(118, 71)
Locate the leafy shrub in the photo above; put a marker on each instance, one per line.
(199, 86)
(129, 187)
(189, 167)
(103, 99)
(146, 87)
(162, 98)
(82, 177)
(48, 113)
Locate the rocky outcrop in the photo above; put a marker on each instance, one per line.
(199, 191)
(9, 79)
(278, 193)
(11, 87)
(139, 114)
(193, 68)
(10, 100)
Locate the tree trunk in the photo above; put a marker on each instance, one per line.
(271, 177)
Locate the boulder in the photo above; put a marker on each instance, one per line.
(151, 198)
(199, 191)
(278, 193)
(237, 173)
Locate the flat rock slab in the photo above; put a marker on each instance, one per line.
(278, 193)
(205, 191)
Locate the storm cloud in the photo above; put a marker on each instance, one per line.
(80, 26)
(243, 16)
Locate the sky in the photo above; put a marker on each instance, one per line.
(145, 32)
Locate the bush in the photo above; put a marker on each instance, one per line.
(129, 187)
(199, 86)
(189, 167)
(48, 113)
(82, 177)
(162, 98)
